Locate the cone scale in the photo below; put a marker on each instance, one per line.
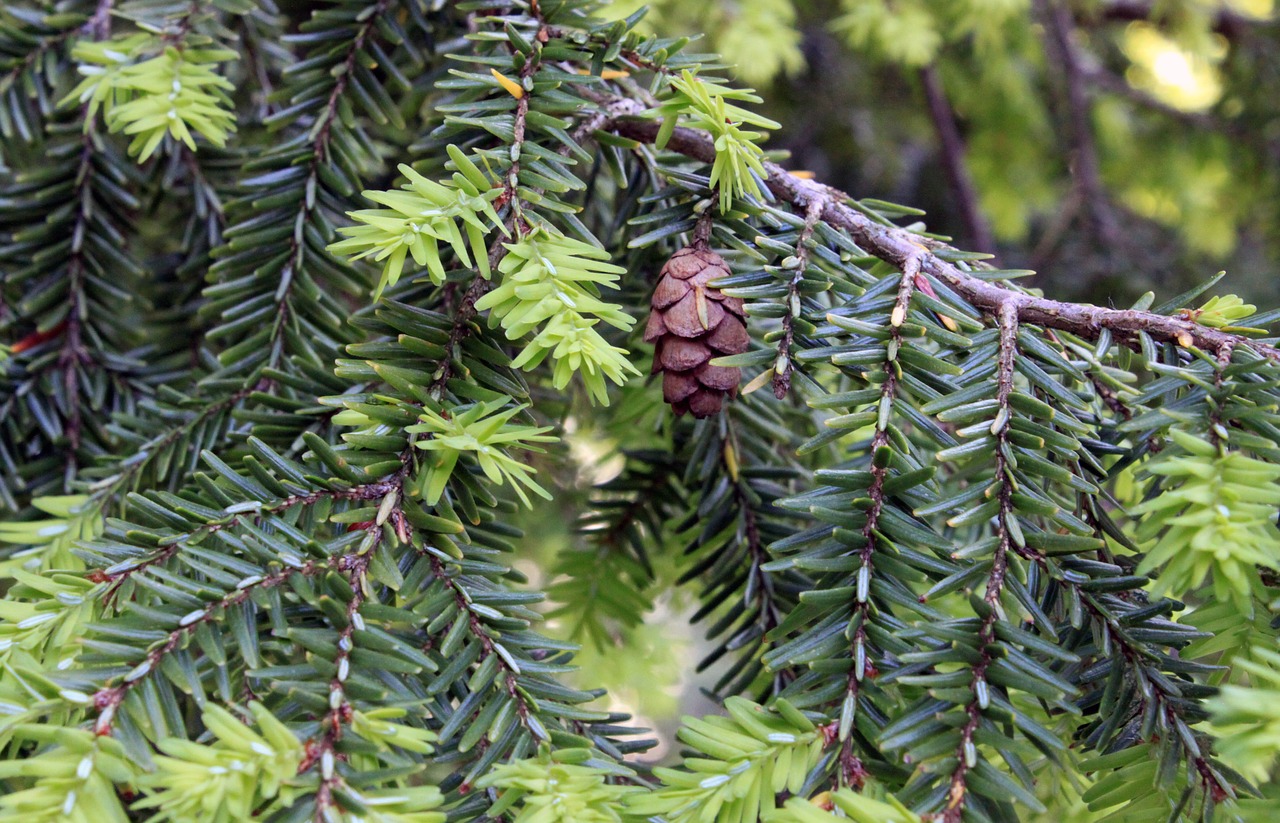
(690, 324)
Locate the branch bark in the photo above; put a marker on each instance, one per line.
(897, 245)
(967, 752)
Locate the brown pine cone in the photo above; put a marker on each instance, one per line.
(691, 323)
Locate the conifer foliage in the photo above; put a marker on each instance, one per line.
(300, 309)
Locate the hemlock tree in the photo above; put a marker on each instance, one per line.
(295, 308)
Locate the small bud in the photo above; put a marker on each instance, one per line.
(513, 88)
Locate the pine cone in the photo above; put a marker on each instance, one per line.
(690, 324)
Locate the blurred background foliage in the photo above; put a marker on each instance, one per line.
(1114, 147)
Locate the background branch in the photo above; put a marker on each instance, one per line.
(1224, 21)
(898, 245)
(1085, 168)
(978, 233)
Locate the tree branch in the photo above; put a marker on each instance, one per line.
(1222, 20)
(850, 771)
(323, 131)
(1059, 28)
(120, 573)
(784, 364)
(967, 753)
(107, 700)
(897, 245)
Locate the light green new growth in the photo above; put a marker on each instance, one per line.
(421, 215)
(1221, 311)
(1215, 515)
(1124, 778)
(484, 431)
(1250, 717)
(72, 517)
(102, 62)
(738, 169)
(228, 780)
(376, 727)
(850, 805)
(555, 787)
(554, 281)
(745, 761)
(1229, 635)
(40, 630)
(74, 773)
(903, 32)
(175, 92)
